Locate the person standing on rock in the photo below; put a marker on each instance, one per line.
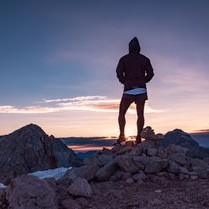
(134, 70)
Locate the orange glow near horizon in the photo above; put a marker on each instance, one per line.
(86, 148)
(79, 123)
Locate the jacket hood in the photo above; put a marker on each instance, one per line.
(134, 46)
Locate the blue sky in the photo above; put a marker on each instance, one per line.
(53, 50)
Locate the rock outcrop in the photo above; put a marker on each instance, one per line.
(30, 149)
(144, 176)
(183, 139)
(26, 192)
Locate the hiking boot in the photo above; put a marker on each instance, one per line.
(121, 138)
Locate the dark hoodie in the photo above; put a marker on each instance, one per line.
(134, 70)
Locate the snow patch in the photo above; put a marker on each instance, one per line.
(2, 186)
(56, 173)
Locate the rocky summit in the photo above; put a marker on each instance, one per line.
(31, 149)
(154, 174)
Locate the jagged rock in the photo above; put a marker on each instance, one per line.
(29, 192)
(104, 159)
(201, 167)
(30, 149)
(120, 175)
(92, 160)
(184, 140)
(198, 163)
(193, 177)
(202, 173)
(62, 192)
(173, 167)
(155, 178)
(80, 187)
(3, 200)
(125, 164)
(162, 153)
(51, 182)
(179, 158)
(172, 148)
(156, 165)
(105, 172)
(129, 181)
(141, 159)
(179, 137)
(159, 136)
(136, 151)
(123, 149)
(184, 170)
(82, 201)
(138, 164)
(86, 171)
(198, 152)
(147, 144)
(68, 178)
(148, 133)
(152, 151)
(139, 176)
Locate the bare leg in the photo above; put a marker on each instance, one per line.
(124, 105)
(140, 119)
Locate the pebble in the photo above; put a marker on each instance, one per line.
(158, 191)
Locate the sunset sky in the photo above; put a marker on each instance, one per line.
(58, 61)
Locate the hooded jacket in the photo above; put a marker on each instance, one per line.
(134, 70)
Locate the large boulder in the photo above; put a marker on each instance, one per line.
(29, 192)
(179, 137)
(104, 173)
(80, 187)
(126, 164)
(30, 149)
(87, 172)
(156, 165)
(183, 139)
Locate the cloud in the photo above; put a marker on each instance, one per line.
(202, 131)
(84, 103)
(26, 110)
(84, 98)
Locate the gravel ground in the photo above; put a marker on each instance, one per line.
(172, 194)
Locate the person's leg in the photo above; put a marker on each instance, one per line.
(124, 105)
(140, 120)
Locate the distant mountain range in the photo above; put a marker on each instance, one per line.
(82, 145)
(202, 138)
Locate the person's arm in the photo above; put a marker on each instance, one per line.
(120, 72)
(149, 72)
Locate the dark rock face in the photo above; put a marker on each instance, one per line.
(28, 191)
(3, 200)
(30, 149)
(181, 138)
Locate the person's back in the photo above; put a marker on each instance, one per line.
(134, 70)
